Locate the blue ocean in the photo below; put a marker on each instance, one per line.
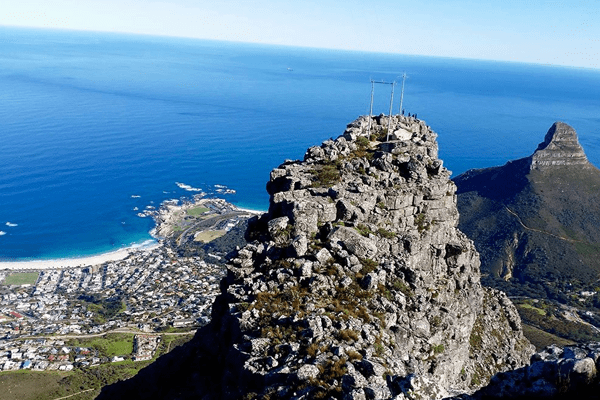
(95, 127)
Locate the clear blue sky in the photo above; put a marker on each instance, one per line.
(563, 32)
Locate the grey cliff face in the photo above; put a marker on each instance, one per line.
(560, 147)
(357, 283)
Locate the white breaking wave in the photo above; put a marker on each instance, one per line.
(225, 191)
(222, 189)
(187, 187)
(145, 245)
(11, 224)
(2, 233)
(135, 196)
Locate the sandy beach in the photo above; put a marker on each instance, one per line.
(74, 262)
(248, 210)
(163, 217)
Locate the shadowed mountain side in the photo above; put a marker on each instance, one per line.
(184, 373)
(496, 183)
(537, 218)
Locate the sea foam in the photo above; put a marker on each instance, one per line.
(11, 224)
(187, 187)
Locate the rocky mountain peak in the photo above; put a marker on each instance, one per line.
(356, 284)
(560, 147)
(517, 214)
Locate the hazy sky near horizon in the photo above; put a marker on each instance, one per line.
(537, 31)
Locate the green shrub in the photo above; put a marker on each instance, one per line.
(421, 222)
(326, 175)
(475, 340)
(379, 348)
(363, 230)
(368, 266)
(385, 233)
(362, 142)
(401, 286)
(436, 321)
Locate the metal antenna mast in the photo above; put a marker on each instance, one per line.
(391, 104)
(390, 116)
(371, 108)
(402, 92)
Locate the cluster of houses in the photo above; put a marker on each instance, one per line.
(150, 291)
(44, 354)
(155, 291)
(54, 354)
(144, 347)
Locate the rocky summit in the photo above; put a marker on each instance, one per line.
(356, 284)
(559, 148)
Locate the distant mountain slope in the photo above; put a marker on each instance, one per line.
(536, 219)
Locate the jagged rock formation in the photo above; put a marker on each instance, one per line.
(536, 219)
(554, 373)
(559, 148)
(356, 284)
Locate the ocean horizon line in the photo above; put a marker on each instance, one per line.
(82, 109)
(354, 51)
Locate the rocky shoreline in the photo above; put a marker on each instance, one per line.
(170, 215)
(173, 216)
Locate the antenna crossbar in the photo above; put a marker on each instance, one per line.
(382, 82)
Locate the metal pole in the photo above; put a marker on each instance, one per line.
(390, 116)
(371, 107)
(402, 93)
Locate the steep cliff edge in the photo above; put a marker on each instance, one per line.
(356, 284)
(536, 219)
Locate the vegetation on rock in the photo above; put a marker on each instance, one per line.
(355, 284)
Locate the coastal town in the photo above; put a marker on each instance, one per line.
(150, 293)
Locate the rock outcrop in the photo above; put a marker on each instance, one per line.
(559, 148)
(554, 373)
(356, 284)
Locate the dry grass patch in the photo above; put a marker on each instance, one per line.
(208, 236)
